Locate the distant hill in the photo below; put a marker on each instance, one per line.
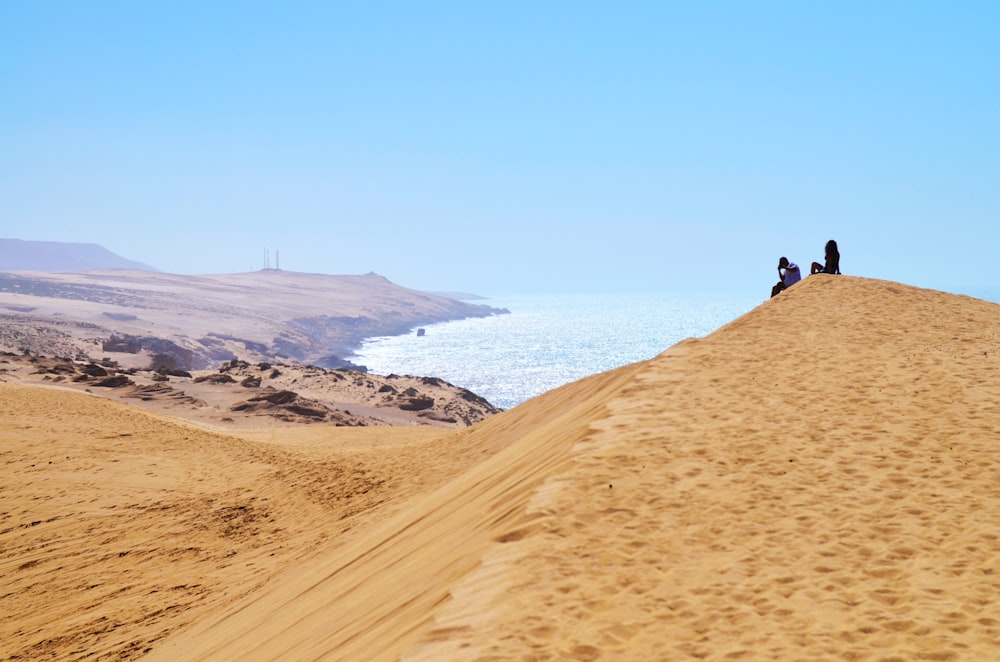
(55, 256)
(264, 316)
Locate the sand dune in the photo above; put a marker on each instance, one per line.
(819, 479)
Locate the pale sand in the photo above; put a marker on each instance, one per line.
(819, 479)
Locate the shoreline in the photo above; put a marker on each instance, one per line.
(200, 321)
(347, 350)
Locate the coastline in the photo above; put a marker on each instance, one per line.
(550, 340)
(345, 348)
(201, 321)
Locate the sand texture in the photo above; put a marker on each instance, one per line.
(818, 480)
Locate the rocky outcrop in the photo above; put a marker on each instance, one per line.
(290, 406)
(239, 391)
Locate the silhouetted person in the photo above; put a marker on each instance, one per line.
(832, 265)
(788, 273)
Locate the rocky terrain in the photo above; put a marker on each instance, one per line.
(236, 350)
(195, 322)
(241, 395)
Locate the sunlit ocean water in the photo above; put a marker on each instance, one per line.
(548, 341)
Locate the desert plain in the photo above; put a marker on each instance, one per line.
(816, 480)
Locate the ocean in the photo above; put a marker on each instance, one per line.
(548, 341)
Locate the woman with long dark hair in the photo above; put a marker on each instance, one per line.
(832, 265)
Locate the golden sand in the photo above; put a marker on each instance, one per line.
(819, 479)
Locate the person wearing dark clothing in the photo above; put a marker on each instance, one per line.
(832, 265)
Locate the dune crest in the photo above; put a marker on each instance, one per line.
(819, 479)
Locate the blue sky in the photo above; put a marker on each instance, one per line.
(508, 148)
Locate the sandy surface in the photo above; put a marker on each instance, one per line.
(819, 479)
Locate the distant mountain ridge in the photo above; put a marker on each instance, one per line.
(56, 256)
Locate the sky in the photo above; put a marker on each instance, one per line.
(514, 147)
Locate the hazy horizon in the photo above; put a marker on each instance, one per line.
(640, 147)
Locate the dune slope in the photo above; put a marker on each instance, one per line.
(819, 479)
(119, 526)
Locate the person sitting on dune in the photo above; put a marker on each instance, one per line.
(788, 273)
(832, 265)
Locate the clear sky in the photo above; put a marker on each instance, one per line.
(511, 147)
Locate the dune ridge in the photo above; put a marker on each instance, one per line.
(819, 479)
(365, 603)
(758, 493)
(733, 517)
